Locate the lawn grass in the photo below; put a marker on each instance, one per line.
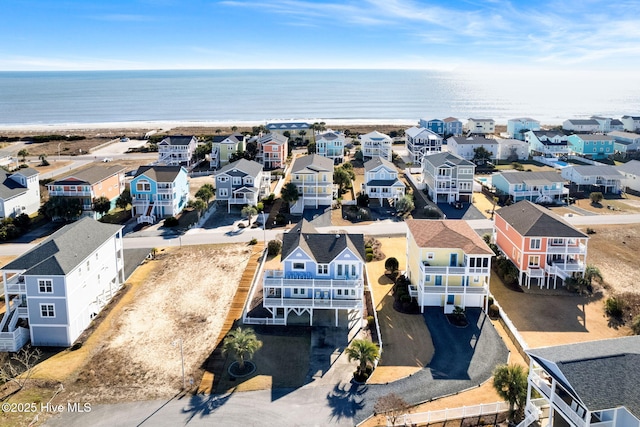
(117, 216)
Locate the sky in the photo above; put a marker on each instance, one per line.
(278, 34)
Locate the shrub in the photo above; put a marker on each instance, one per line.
(242, 225)
(591, 230)
(253, 241)
(171, 221)
(613, 306)
(371, 322)
(274, 247)
(369, 257)
(280, 219)
(635, 325)
(392, 264)
(596, 197)
(494, 311)
(269, 199)
(259, 206)
(368, 250)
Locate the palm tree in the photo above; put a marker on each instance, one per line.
(205, 193)
(289, 193)
(242, 343)
(365, 352)
(23, 153)
(510, 381)
(592, 272)
(248, 212)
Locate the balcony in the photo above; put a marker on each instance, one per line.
(313, 302)
(243, 200)
(277, 278)
(70, 193)
(164, 190)
(15, 285)
(476, 290)
(542, 382)
(566, 266)
(454, 271)
(567, 249)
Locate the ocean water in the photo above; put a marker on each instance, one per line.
(266, 95)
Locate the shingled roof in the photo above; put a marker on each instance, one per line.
(65, 249)
(9, 187)
(312, 162)
(533, 220)
(447, 234)
(323, 248)
(159, 173)
(177, 140)
(91, 175)
(249, 167)
(603, 374)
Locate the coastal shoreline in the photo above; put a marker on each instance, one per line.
(170, 124)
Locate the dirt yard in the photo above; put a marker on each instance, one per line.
(185, 297)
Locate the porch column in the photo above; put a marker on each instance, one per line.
(311, 317)
(336, 311)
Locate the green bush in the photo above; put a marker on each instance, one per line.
(274, 247)
(614, 307)
(369, 256)
(635, 325)
(494, 311)
(253, 241)
(368, 250)
(371, 322)
(280, 219)
(171, 221)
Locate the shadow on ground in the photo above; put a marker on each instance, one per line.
(345, 400)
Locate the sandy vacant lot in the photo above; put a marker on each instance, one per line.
(186, 297)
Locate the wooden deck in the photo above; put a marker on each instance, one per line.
(216, 361)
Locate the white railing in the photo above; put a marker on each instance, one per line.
(14, 341)
(562, 249)
(569, 266)
(69, 193)
(454, 271)
(454, 289)
(273, 278)
(535, 272)
(576, 419)
(450, 414)
(263, 321)
(512, 328)
(14, 286)
(312, 302)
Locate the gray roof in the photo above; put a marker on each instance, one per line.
(159, 173)
(450, 119)
(234, 138)
(616, 122)
(595, 137)
(605, 171)
(313, 162)
(27, 172)
(288, 126)
(439, 159)
(550, 133)
(323, 248)
(8, 187)
(61, 252)
(460, 140)
(480, 120)
(516, 177)
(603, 374)
(378, 161)
(631, 117)
(267, 137)
(329, 136)
(91, 175)
(249, 167)
(524, 119)
(532, 220)
(622, 134)
(631, 167)
(583, 122)
(178, 140)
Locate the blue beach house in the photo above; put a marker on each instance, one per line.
(158, 192)
(322, 275)
(592, 146)
(435, 125)
(537, 187)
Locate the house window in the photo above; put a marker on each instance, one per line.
(427, 278)
(45, 286)
(223, 179)
(534, 261)
(431, 255)
(557, 242)
(298, 265)
(47, 310)
(323, 269)
(353, 270)
(534, 244)
(143, 186)
(237, 180)
(339, 291)
(223, 192)
(353, 292)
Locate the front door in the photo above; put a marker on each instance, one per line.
(438, 280)
(453, 260)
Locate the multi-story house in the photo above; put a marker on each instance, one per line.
(607, 124)
(422, 142)
(313, 175)
(581, 125)
(320, 273)
(603, 178)
(273, 150)
(88, 184)
(480, 126)
(381, 181)
(435, 125)
(158, 192)
(54, 290)
(547, 142)
(448, 264)
(516, 128)
(625, 142)
(242, 183)
(294, 130)
(465, 146)
(631, 172)
(177, 150)
(225, 146)
(538, 187)
(449, 178)
(512, 149)
(452, 126)
(376, 144)
(591, 146)
(589, 384)
(541, 245)
(631, 123)
(19, 192)
(331, 145)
